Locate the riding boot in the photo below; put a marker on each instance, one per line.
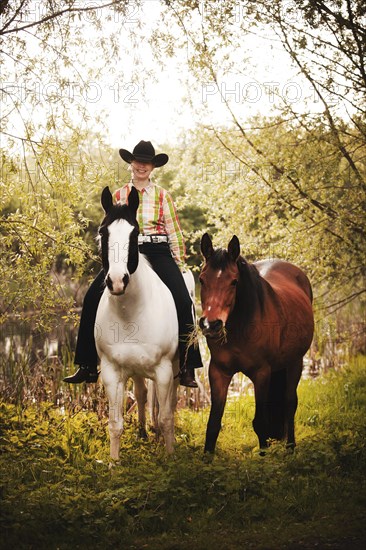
(85, 373)
(190, 359)
(186, 377)
(86, 353)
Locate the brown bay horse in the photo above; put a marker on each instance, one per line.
(258, 320)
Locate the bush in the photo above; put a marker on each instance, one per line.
(58, 491)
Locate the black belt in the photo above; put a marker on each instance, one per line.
(152, 239)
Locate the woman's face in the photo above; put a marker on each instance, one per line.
(141, 170)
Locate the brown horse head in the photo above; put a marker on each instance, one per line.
(219, 279)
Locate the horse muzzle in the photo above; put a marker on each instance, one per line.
(117, 287)
(211, 329)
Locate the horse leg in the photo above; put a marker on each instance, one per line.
(219, 384)
(293, 378)
(153, 405)
(165, 390)
(276, 404)
(175, 383)
(261, 381)
(114, 386)
(141, 398)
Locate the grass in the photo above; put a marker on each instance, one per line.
(58, 492)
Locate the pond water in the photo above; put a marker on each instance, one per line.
(23, 341)
(23, 347)
(27, 352)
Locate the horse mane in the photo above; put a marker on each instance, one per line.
(220, 259)
(249, 292)
(118, 212)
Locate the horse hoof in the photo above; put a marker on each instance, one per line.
(113, 464)
(208, 457)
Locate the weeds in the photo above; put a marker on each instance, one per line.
(57, 490)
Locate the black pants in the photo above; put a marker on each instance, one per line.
(164, 265)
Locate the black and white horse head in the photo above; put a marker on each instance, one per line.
(119, 240)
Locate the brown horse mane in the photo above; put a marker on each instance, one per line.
(250, 291)
(250, 287)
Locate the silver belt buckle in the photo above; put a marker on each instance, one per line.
(155, 239)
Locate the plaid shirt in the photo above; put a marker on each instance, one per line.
(157, 215)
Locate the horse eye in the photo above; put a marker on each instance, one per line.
(201, 281)
(234, 282)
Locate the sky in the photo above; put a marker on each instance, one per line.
(158, 112)
(162, 114)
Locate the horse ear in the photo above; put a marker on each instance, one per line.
(133, 200)
(234, 248)
(106, 200)
(206, 246)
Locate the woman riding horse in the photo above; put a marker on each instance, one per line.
(161, 241)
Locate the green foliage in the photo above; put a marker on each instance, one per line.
(50, 160)
(43, 227)
(57, 489)
(293, 200)
(291, 184)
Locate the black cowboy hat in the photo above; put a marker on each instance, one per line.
(144, 152)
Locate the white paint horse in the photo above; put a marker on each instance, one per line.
(137, 326)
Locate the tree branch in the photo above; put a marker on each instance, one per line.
(4, 221)
(335, 306)
(342, 148)
(56, 15)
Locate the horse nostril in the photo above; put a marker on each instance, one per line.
(203, 323)
(216, 326)
(119, 286)
(212, 326)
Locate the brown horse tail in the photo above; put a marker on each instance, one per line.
(311, 293)
(305, 284)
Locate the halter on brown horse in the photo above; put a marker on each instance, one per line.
(258, 320)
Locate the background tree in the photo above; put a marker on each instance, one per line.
(292, 183)
(51, 162)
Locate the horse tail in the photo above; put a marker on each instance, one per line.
(304, 283)
(276, 405)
